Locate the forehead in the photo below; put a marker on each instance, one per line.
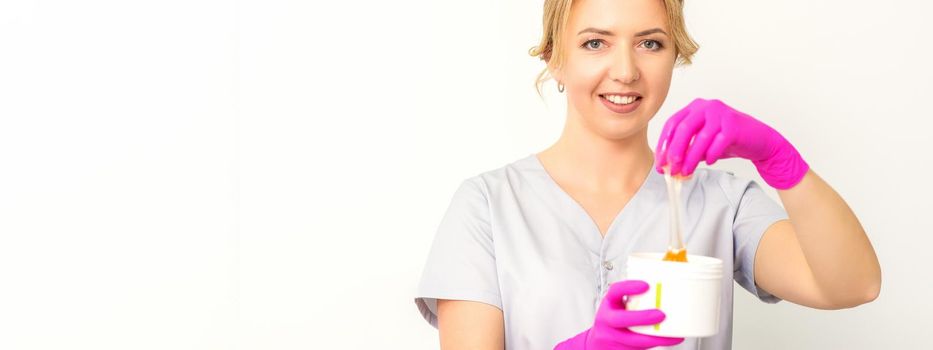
(618, 16)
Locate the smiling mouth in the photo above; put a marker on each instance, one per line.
(620, 100)
(621, 104)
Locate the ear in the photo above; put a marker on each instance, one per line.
(555, 72)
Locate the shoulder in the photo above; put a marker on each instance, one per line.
(476, 195)
(493, 181)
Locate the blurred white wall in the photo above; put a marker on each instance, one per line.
(269, 174)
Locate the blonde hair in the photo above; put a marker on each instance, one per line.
(557, 14)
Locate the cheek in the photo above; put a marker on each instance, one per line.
(660, 87)
(659, 70)
(659, 78)
(583, 76)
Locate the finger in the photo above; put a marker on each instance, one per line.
(660, 153)
(721, 143)
(622, 288)
(627, 318)
(684, 132)
(699, 148)
(637, 340)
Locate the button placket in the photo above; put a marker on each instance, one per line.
(600, 277)
(600, 281)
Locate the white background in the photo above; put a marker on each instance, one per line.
(269, 174)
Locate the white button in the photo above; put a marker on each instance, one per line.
(607, 264)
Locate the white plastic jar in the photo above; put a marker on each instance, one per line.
(689, 293)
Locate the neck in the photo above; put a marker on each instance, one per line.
(598, 164)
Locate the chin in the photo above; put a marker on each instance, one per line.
(617, 130)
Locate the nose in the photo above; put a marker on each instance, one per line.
(625, 68)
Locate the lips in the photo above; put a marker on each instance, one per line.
(620, 108)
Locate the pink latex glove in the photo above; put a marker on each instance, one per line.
(722, 132)
(610, 329)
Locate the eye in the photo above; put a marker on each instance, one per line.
(587, 44)
(656, 45)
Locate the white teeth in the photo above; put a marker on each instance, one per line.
(620, 100)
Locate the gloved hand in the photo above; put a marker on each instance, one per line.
(610, 329)
(722, 132)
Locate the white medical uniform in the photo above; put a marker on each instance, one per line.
(513, 239)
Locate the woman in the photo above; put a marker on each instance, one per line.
(531, 255)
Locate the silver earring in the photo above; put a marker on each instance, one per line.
(560, 87)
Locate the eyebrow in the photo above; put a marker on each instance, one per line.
(608, 33)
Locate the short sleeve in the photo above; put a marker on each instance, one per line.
(461, 264)
(755, 212)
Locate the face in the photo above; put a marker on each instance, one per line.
(616, 47)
